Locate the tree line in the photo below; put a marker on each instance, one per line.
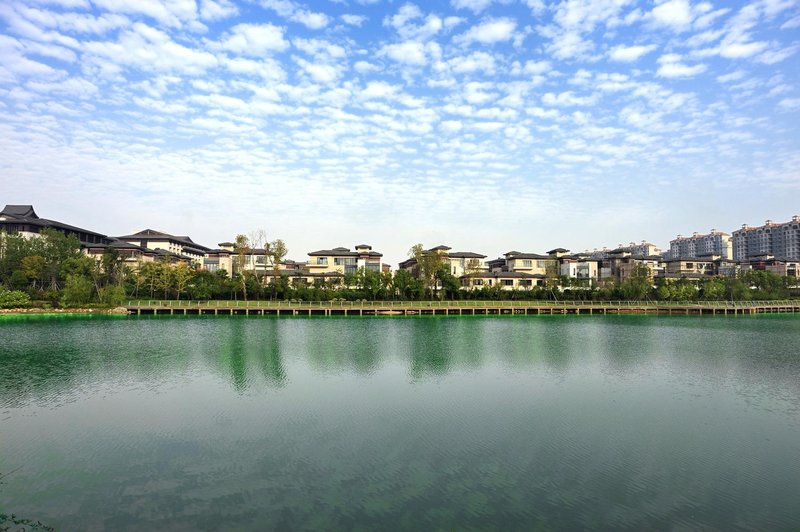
(52, 271)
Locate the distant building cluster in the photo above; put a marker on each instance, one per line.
(773, 247)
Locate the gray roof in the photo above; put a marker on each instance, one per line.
(19, 211)
(26, 215)
(343, 252)
(465, 255)
(151, 234)
(517, 255)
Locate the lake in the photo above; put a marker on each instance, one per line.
(402, 423)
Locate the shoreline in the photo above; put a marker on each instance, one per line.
(78, 310)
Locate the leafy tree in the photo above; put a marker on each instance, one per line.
(111, 295)
(163, 277)
(428, 264)
(33, 266)
(18, 280)
(449, 282)
(182, 276)
(278, 251)
(77, 291)
(405, 285)
(638, 285)
(242, 248)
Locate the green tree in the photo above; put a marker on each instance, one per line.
(182, 275)
(638, 285)
(78, 290)
(242, 248)
(163, 278)
(449, 282)
(428, 264)
(33, 266)
(405, 285)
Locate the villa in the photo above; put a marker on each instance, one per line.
(342, 260)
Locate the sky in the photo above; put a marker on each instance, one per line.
(484, 125)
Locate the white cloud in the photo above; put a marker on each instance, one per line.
(476, 6)
(213, 10)
(296, 13)
(169, 14)
(451, 126)
(319, 72)
(364, 67)
(477, 61)
(568, 44)
(409, 53)
(733, 76)
(790, 103)
(776, 56)
(150, 49)
(379, 90)
(674, 14)
(629, 54)
(309, 19)
(254, 39)
(354, 20)
(567, 99)
(489, 31)
(672, 67)
(536, 68)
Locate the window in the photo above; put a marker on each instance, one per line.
(477, 282)
(540, 264)
(322, 261)
(527, 263)
(349, 261)
(508, 282)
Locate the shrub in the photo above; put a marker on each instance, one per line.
(13, 299)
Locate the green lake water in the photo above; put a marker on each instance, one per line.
(418, 423)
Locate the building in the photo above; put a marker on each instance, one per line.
(783, 267)
(505, 280)
(342, 260)
(699, 246)
(530, 263)
(182, 246)
(23, 220)
(459, 263)
(220, 258)
(780, 240)
(642, 249)
(621, 263)
(690, 268)
(581, 267)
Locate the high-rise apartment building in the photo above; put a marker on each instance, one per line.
(781, 240)
(697, 245)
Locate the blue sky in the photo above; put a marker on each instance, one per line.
(486, 125)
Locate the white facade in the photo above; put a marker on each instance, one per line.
(697, 245)
(781, 240)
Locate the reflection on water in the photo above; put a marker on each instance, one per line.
(429, 422)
